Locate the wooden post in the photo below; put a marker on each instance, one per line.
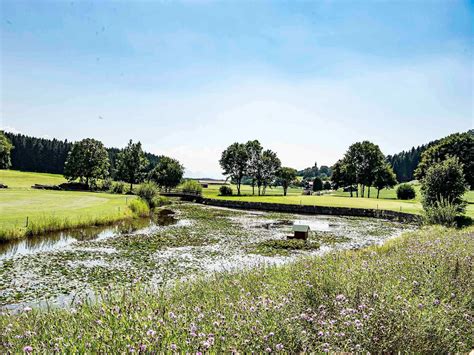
(27, 220)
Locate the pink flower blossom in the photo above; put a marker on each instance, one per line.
(27, 349)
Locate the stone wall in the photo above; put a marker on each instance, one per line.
(304, 209)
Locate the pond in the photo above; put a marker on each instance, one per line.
(179, 242)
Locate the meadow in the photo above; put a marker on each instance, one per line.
(48, 210)
(405, 295)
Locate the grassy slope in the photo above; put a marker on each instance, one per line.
(406, 295)
(387, 200)
(19, 201)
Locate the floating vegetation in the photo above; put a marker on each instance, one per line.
(182, 241)
(282, 246)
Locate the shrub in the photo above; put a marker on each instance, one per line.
(327, 185)
(442, 212)
(191, 186)
(317, 184)
(159, 201)
(107, 184)
(148, 191)
(118, 188)
(225, 190)
(443, 183)
(405, 192)
(139, 207)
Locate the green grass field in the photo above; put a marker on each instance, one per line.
(69, 208)
(386, 201)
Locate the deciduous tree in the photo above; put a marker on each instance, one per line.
(88, 159)
(167, 173)
(286, 176)
(132, 164)
(5, 149)
(234, 162)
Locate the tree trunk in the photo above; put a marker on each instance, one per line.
(87, 181)
(253, 187)
(238, 188)
(131, 186)
(362, 190)
(284, 190)
(368, 192)
(350, 189)
(378, 193)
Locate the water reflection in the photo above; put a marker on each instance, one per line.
(62, 240)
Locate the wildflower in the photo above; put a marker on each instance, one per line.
(436, 302)
(142, 348)
(173, 347)
(320, 333)
(268, 350)
(27, 349)
(420, 305)
(150, 333)
(171, 315)
(279, 347)
(416, 283)
(340, 298)
(27, 309)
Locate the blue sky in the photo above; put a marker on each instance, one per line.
(189, 78)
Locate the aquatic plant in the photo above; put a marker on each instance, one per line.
(405, 295)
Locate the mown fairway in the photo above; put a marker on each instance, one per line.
(386, 201)
(20, 201)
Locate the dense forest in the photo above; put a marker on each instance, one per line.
(49, 155)
(405, 162)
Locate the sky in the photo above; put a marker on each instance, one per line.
(189, 78)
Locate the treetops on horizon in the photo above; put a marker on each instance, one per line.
(88, 161)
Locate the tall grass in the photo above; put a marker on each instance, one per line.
(413, 294)
(46, 224)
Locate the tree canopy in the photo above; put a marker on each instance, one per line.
(167, 173)
(88, 159)
(460, 145)
(5, 149)
(234, 163)
(132, 164)
(444, 182)
(286, 176)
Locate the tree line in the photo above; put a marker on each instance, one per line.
(49, 155)
(88, 161)
(261, 167)
(363, 166)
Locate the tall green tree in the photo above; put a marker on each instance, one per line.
(286, 176)
(360, 163)
(270, 164)
(254, 156)
(5, 149)
(88, 159)
(444, 182)
(384, 178)
(234, 162)
(132, 164)
(460, 145)
(167, 173)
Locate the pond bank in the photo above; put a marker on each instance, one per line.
(303, 209)
(405, 295)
